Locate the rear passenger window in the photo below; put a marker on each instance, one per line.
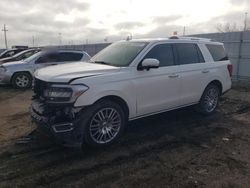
(163, 53)
(70, 56)
(218, 52)
(188, 54)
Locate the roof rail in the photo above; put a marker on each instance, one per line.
(198, 39)
(193, 38)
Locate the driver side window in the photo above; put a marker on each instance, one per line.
(163, 53)
(48, 58)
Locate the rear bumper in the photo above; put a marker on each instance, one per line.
(66, 132)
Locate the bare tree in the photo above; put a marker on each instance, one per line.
(227, 27)
(230, 27)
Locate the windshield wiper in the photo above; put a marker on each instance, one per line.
(102, 62)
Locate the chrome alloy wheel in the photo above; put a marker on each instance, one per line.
(105, 125)
(22, 81)
(211, 99)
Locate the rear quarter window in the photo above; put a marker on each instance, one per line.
(70, 56)
(217, 51)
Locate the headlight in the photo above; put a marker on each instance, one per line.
(60, 93)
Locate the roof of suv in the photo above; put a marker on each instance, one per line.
(178, 40)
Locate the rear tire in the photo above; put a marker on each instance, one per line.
(103, 123)
(209, 100)
(22, 80)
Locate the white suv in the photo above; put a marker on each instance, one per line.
(90, 103)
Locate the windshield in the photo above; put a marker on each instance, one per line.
(7, 53)
(119, 54)
(3, 52)
(20, 53)
(33, 57)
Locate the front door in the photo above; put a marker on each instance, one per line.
(158, 89)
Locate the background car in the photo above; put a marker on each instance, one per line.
(20, 73)
(2, 50)
(20, 56)
(11, 52)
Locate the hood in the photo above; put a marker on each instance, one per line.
(66, 72)
(14, 63)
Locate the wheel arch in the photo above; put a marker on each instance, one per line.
(11, 80)
(200, 106)
(117, 100)
(218, 84)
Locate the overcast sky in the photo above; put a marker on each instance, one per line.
(96, 20)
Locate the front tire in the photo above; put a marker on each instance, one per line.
(103, 123)
(22, 80)
(209, 100)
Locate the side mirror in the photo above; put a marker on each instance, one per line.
(149, 64)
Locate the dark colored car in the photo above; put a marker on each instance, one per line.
(11, 52)
(20, 56)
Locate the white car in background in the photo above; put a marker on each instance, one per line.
(20, 73)
(90, 103)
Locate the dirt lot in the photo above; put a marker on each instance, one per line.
(174, 149)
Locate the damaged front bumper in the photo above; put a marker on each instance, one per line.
(58, 120)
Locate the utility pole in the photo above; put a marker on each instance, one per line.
(33, 41)
(5, 37)
(129, 37)
(60, 38)
(245, 22)
(184, 30)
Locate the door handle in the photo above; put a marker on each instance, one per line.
(173, 76)
(205, 71)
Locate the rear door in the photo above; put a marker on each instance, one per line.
(158, 89)
(193, 72)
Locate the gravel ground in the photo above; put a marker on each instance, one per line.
(174, 149)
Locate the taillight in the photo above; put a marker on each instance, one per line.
(230, 69)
